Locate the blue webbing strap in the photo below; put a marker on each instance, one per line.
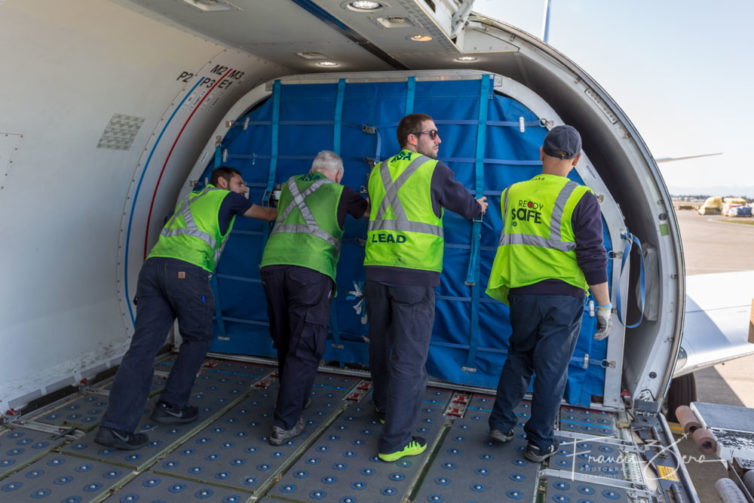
(213, 282)
(274, 142)
(410, 93)
(472, 274)
(334, 325)
(218, 308)
(630, 238)
(337, 129)
(274, 145)
(338, 119)
(218, 157)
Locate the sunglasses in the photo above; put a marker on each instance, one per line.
(432, 133)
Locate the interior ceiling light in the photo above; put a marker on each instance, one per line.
(466, 59)
(364, 5)
(212, 5)
(311, 55)
(327, 63)
(394, 22)
(421, 38)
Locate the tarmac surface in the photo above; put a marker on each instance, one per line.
(712, 244)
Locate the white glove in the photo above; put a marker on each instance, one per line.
(603, 321)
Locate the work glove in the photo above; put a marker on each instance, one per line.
(603, 321)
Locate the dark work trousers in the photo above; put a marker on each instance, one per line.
(298, 305)
(400, 327)
(167, 289)
(545, 330)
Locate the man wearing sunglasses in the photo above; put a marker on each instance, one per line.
(403, 262)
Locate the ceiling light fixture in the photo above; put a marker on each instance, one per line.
(311, 55)
(466, 59)
(328, 64)
(212, 5)
(394, 22)
(421, 38)
(364, 5)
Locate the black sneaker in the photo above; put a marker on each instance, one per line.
(164, 413)
(501, 437)
(537, 455)
(279, 436)
(118, 439)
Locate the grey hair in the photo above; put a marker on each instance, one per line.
(328, 161)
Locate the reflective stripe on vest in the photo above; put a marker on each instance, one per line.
(555, 241)
(299, 201)
(390, 200)
(191, 229)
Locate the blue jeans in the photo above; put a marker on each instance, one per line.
(545, 330)
(167, 289)
(298, 305)
(400, 327)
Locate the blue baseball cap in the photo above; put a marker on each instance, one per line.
(563, 142)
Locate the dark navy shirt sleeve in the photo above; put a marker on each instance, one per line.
(233, 204)
(590, 250)
(351, 203)
(450, 194)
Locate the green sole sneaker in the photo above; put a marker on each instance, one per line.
(413, 448)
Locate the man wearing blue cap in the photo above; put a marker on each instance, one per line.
(549, 256)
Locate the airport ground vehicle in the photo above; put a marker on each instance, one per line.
(711, 206)
(141, 99)
(736, 207)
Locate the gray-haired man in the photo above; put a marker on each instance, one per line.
(298, 273)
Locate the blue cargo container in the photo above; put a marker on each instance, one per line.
(489, 139)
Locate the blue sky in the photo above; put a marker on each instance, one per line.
(680, 69)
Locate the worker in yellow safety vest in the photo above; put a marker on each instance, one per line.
(174, 283)
(403, 262)
(549, 256)
(298, 274)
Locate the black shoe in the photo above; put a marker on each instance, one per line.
(501, 437)
(164, 413)
(537, 455)
(279, 436)
(120, 439)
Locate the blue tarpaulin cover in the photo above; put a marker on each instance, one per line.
(280, 136)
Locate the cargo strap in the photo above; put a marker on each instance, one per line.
(338, 119)
(276, 90)
(336, 147)
(218, 157)
(630, 240)
(410, 94)
(221, 332)
(472, 273)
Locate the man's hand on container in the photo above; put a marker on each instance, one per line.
(483, 203)
(604, 313)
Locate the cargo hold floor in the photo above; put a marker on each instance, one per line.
(225, 456)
